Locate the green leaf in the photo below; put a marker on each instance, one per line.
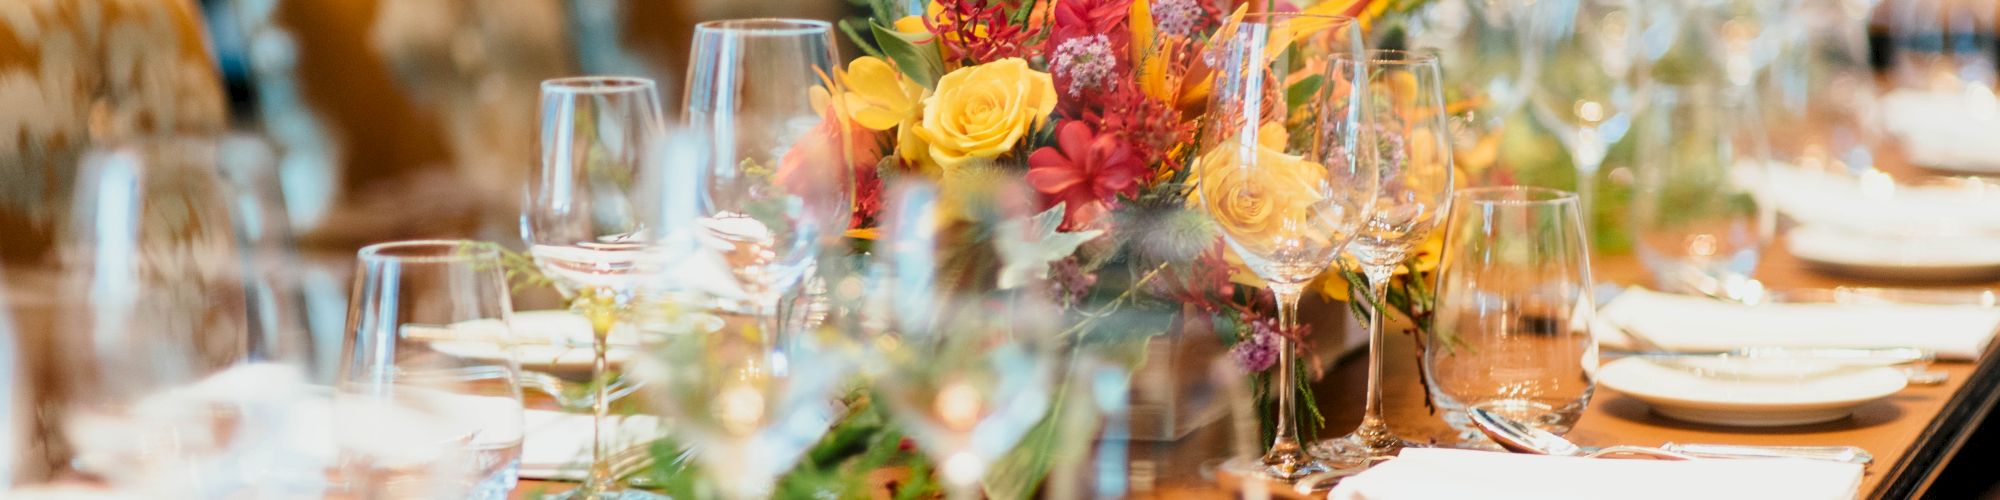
(1022, 470)
(914, 55)
(1302, 91)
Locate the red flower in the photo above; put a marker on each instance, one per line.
(1085, 170)
(815, 164)
(1090, 17)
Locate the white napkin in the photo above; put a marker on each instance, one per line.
(1691, 322)
(1875, 202)
(558, 444)
(1428, 473)
(1944, 129)
(1951, 254)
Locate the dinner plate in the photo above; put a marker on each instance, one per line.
(1750, 393)
(1896, 257)
(550, 340)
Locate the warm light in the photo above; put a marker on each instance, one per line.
(741, 408)
(963, 468)
(958, 405)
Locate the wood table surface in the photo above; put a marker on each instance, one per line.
(1911, 434)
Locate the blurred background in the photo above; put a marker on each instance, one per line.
(372, 120)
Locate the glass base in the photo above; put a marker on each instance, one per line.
(1285, 466)
(1362, 449)
(615, 492)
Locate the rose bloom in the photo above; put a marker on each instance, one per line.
(981, 112)
(1264, 207)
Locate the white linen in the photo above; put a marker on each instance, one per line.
(557, 445)
(1876, 202)
(1949, 130)
(1701, 323)
(1432, 473)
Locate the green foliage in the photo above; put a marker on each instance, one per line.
(915, 56)
(519, 267)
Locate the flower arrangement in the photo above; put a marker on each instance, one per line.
(1095, 105)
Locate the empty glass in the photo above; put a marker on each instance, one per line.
(1701, 159)
(413, 421)
(1512, 332)
(1404, 132)
(584, 221)
(1284, 175)
(965, 364)
(1591, 57)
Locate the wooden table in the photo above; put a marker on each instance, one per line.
(1912, 434)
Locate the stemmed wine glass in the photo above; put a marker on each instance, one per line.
(968, 368)
(779, 183)
(1696, 221)
(1403, 128)
(1491, 74)
(1592, 56)
(583, 221)
(1283, 175)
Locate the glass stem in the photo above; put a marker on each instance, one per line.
(600, 307)
(1374, 431)
(1287, 459)
(1589, 157)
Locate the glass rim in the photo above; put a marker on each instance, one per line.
(1514, 195)
(1306, 15)
(765, 26)
(597, 84)
(1395, 57)
(438, 251)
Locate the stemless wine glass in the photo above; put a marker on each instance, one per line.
(152, 300)
(1592, 55)
(1512, 331)
(1403, 127)
(584, 221)
(413, 421)
(967, 362)
(1283, 172)
(1701, 159)
(779, 182)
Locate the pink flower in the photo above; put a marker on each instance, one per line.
(1256, 349)
(1085, 170)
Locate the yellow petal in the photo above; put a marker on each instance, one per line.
(1141, 17)
(911, 24)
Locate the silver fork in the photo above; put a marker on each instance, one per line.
(574, 395)
(1916, 373)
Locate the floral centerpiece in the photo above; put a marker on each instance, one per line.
(1096, 105)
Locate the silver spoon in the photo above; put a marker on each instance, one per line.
(1519, 437)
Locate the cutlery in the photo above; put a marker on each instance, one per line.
(1915, 372)
(1519, 437)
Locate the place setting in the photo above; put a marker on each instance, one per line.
(967, 249)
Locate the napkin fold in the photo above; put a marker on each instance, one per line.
(1877, 203)
(1701, 323)
(557, 445)
(1942, 129)
(1427, 473)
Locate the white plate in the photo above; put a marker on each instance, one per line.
(1751, 393)
(553, 340)
(1919, 258)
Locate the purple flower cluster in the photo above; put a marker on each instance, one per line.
(1176, 17)
(1070, 282)
(1257, 350)
(1085, 61)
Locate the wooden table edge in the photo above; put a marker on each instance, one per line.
(1947, 432)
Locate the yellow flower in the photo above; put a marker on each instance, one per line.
(980, 112)
(879, 97)
(911, 24)
(1266, 207)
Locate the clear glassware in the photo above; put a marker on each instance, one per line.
(1945, 45)
(748, 411)
(1112, 463)
(413, 421)
(1592, 56)
(1404, 128)
(1826, 92)
(1701, 160)
(779, 180)
(152, 300)
(584, 220)
(965, 365)
(1744, 37)
(1488, 77)
(1512, 331)
(1288, 182)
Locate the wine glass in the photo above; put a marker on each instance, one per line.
(968, 368)
(1490, 74)
(1283, 173)
(1592, 54)
(1403, 127)
(779, 183)
(1512, 331)
(1702, 158)
(584, 221)
(153, 300)
(414, 420)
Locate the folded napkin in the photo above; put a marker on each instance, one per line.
(1701, 323)
(1876, 202)
(557, 445)
(1427, 473)
(1943, 129)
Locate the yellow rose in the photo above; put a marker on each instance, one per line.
(1271, 208)
(878, 96)
(980, 112)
